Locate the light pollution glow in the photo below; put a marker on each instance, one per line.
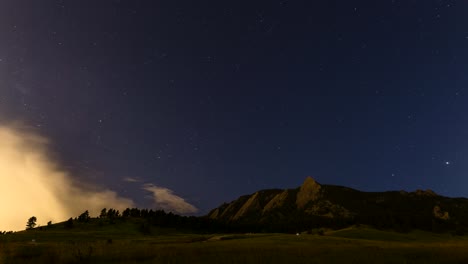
(32, 184)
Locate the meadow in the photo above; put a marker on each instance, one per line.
(125, 244)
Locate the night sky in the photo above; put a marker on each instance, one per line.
(217, 99)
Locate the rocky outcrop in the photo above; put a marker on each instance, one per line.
(214, 214)
(276, 202)
(313, 204)
(309, 192)
(328, 209)
(439, 214)
(252, 204)
(427, 192)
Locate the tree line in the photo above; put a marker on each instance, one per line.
(298, 222)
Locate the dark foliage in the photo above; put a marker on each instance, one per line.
(31, 223)
(69, 223)
(84, 217)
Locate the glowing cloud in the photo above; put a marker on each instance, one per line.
(31, 183)
(166, 199)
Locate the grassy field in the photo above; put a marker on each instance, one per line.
(124, 244)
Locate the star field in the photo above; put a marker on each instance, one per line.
(214, 100)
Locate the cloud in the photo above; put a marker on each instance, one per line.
(32, 183)
(165, 199)
(130, 179)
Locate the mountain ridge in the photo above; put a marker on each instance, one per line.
(314, 205)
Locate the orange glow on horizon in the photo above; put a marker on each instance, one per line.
(32, 184)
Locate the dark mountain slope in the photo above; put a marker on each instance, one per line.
(314, 205)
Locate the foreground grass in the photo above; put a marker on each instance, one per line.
(353, 245)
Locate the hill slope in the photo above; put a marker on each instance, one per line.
(315, 205)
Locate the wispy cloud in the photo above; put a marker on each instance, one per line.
(165, 199)
(131, 179)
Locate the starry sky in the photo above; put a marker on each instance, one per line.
(216, 99)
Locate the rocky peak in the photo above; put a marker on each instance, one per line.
(427, 192)
(309, 191)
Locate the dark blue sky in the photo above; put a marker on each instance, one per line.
(215, 99)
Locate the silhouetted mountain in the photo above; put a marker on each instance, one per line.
(310, 206)
(313, 205)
